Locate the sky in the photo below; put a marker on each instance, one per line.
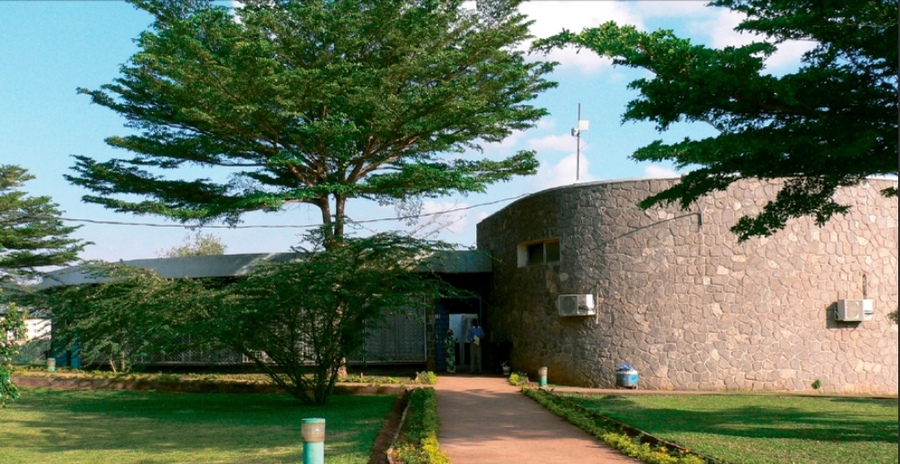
(48, 49)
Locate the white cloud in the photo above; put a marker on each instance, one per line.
(671, 9)
(546, 123)
(656, 171)
(515, 137)
(720, 30)
(561, 173)
(552, 143)
(551, 18)
(788, 56)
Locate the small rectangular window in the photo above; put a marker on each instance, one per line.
(534, 253)
(551, 251)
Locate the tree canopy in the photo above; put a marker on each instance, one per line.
(313, 102)
(12, 328)
(300, 320)
(199, 245)
(31, 233)
(124, 315)
(830, 124)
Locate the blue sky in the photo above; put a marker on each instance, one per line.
(48, 49)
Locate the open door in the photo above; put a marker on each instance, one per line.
(455, 314)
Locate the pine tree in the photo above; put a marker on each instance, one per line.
(31, 233)
(830, 124)
(316, 102)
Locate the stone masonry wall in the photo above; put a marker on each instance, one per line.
(687, 305)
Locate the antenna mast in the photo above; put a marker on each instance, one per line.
(576, 132)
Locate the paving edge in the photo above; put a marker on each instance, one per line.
(634, 432)
(389, 453)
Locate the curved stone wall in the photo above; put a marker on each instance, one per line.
(687, 305)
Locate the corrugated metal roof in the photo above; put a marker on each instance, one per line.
(453, 262)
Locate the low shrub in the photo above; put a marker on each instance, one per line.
(426, 378)
(614, 438)
(169, 378)
(519, 379)
(418, 443)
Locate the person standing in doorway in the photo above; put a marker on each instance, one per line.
(475, 337)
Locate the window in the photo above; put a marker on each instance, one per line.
(533, 253)
(536, 253)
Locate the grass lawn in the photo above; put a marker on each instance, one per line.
(763, 429)
(113, 426)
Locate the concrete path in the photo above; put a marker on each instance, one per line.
(485, 420)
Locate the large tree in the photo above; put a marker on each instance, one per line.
(31, 236)
(830, 124)
(314, 102)
(283, 315)
(31, 233)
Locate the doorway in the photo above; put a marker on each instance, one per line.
(456, 314)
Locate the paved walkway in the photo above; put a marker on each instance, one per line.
(485, 420)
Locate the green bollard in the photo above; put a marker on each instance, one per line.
(313, 432)
(542, 372)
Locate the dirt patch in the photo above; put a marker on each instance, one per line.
(386, 436)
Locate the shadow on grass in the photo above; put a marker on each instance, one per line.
(882, 402)
(156, 423)
(822, 419)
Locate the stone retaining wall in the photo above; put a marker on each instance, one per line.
(687, 305)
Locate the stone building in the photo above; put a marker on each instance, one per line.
(680, 299)
(675, 294)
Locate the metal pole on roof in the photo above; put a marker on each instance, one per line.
(576, 132)
(578, 148)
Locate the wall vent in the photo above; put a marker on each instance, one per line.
(575, 305)
(854, 310)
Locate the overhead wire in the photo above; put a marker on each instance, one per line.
(272, 226)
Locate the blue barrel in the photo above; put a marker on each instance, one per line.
(627, 379)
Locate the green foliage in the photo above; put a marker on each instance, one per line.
(817, 384)
(199, 245)
(12, 329)
(418, 443)
(168, 378)
(33, 352)
(129, 314)
(316, 103)
(893, 316)
(518, 379)
(426, 378)
(300, 320)
(31, 233)
(830, 124)
(612, 437)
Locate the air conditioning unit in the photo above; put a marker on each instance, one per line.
(854, 310)
(575, 305)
